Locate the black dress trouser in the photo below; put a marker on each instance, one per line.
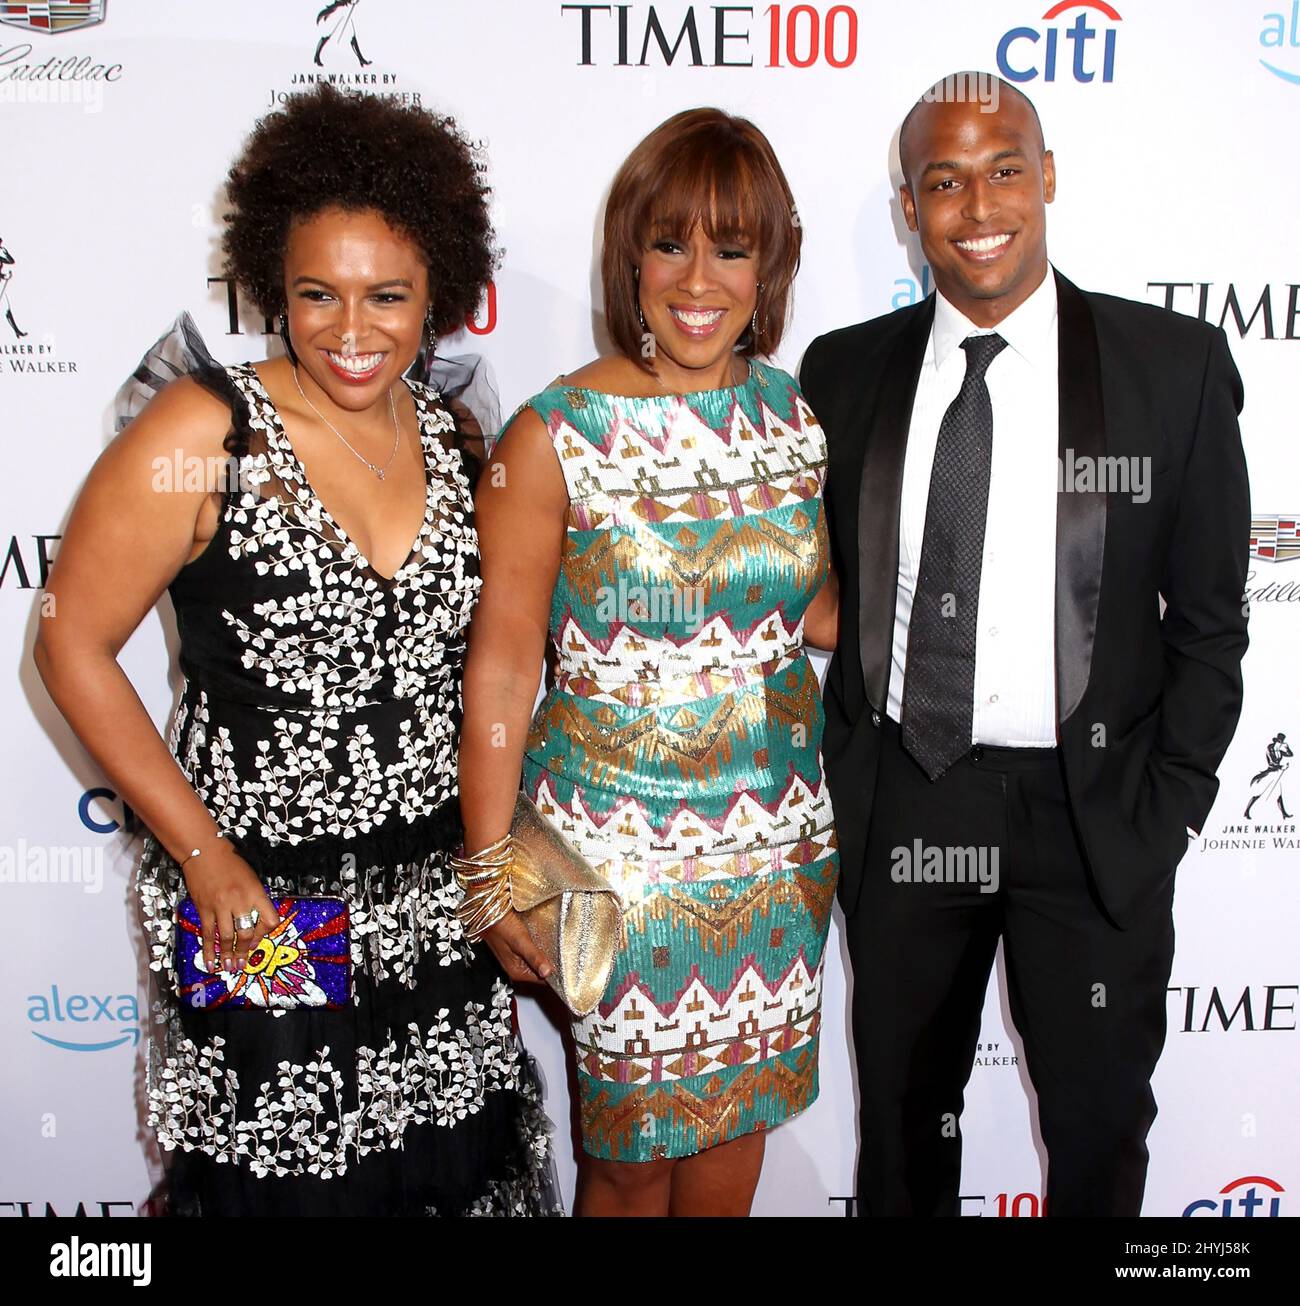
(1087, 999)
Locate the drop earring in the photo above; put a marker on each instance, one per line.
(284, 338)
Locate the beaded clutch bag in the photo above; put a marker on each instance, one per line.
(306, 961)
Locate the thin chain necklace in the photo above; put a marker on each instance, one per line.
(659, 381)
(397, 430)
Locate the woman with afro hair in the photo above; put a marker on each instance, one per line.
(324, 1038)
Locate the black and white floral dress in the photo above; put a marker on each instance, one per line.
(318, 722)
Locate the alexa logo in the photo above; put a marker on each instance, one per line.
(84, 1022)
(1282, 32)
(1245, 1196)
(1026, 53)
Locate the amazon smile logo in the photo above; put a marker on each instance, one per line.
(84, 1022)
(1282, 32)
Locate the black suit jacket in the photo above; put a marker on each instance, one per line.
(1146, 704)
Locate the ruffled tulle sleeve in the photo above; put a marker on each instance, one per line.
(180, 351)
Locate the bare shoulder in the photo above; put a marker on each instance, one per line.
(139, 514)
(523, 463)
(184, 417)
(525, 437)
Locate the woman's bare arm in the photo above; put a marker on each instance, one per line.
(520, 509)
(128, 536)
(821, 620)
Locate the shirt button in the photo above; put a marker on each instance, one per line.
(993, 698)
(993, 630)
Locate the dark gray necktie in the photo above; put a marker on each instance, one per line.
(939, 683)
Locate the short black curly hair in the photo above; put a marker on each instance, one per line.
(326, 149)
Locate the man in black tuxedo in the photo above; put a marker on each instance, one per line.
(1018, 740)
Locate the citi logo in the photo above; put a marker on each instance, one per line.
(1248, 1201)
(84, 1022)
(105, 822)
(1020, 58)
(1281, 31)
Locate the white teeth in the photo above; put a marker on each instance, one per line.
(357, 363)
(698, 317)
(984, 244)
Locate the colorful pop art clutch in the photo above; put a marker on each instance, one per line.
(306, 961)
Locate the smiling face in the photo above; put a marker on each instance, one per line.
(976, 188)
(356, 292)
(697, 296)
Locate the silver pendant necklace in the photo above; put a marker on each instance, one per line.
(397, 430)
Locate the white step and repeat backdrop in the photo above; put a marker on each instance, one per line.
(1174, 125)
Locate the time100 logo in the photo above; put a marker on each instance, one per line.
(715, 36)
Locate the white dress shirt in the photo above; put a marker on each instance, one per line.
(1015, 681)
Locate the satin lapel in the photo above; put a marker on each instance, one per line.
(1080, 518)
(879, 495)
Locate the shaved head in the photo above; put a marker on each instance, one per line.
(964, 87)
(976, 182)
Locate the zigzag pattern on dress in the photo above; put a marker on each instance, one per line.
(669, 448)
(721, 922)
(721, 1108)
(678, 749)
(792, 993)
(692, 743)
(801, 811)
(629, 656)
(686, 1060)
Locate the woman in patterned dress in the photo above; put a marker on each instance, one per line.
(658, 515)
(312, 752)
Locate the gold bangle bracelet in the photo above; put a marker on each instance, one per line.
(484, 879)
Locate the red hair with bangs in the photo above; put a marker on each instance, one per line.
(705, 167)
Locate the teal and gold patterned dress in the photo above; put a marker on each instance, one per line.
(679, 749)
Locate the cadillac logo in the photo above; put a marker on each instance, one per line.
(1275, 539)
(52, 15)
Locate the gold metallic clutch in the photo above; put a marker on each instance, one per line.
(571, 912)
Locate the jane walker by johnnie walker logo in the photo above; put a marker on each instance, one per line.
(20, 351)
(1259, 801)
(1267, 820)
(340, 58)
